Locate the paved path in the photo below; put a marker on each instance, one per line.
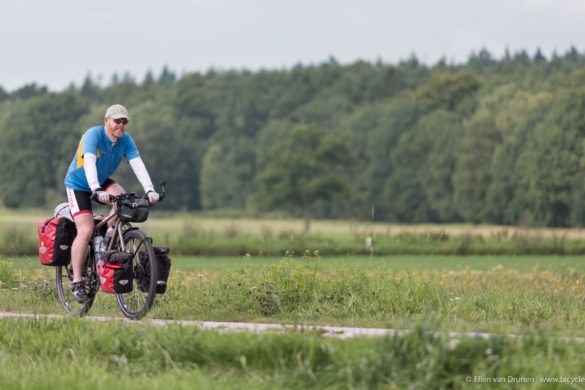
(330, 331)
(340, 332)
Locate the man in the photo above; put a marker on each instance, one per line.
(98, 155)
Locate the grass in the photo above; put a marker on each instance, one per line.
(73, 353)
(555, 264)
(538, 298)
(193, 234)
(174, 223)
(496, 299)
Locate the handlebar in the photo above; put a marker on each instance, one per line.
(133, 195)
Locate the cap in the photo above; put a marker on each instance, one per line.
(116, 111)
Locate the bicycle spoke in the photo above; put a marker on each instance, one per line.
(136, 303)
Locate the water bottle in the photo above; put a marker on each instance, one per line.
(109, 234)
(98, 247)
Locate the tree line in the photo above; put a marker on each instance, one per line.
(488, 141)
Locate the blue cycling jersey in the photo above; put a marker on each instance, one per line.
(108, 153)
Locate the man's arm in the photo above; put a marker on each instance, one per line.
(90, 168)
(144, 178)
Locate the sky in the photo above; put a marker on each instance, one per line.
(59, 42)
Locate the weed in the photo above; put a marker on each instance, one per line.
(8, 277)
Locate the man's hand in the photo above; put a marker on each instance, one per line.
(153, 197)
(100, 195)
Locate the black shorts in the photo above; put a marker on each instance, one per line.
(80, 201)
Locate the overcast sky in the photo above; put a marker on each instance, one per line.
(58, 42)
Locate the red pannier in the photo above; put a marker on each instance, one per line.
(116, 274)
(55, 238)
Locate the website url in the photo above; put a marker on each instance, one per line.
(563, 379)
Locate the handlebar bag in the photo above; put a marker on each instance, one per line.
(133, 210)
(56, 234)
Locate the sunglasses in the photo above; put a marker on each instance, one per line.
(121, 120)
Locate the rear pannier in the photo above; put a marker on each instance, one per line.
(164, 268)
(56, 234)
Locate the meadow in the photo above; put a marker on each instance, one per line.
(553, 263)
(72, 353)
(202, 235)
(532, 304)
(499, 295)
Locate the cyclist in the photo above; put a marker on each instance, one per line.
(98, 155)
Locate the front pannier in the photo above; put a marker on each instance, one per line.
(134, 210)
(56, 234)
(116, 274)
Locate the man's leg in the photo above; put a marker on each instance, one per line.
(80, 205)
(113, 188)
(84, 225)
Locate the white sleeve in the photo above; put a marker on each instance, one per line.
(141, 173)
(89, 160)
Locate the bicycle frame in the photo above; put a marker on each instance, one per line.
(117, 232)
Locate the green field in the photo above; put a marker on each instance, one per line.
(492, 294)
(556, 264)
(57, 354)
(193, 234)
(538, 297)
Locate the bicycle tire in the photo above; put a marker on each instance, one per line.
(135, 304)
(64, 279)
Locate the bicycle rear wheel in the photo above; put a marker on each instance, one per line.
(136, 303)
(64, 279)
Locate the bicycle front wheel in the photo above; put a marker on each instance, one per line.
(136, 303)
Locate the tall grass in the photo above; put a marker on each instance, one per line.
(497, 300)
(543, 310)
(188, 236)
(77, 353)
(201, 242)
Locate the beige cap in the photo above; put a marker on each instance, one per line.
(116, 111)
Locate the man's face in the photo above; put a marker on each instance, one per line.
(115, 127)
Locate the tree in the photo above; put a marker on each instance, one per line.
(516, 114)
(308, 165)
(29, 90)
(446, 90)
(38, 142)
(89, 88)
(3, 94)
(171, 150)
(227, 171)
(376, 130)
(166, 76)
(419, 188)
(553, 163)
(475, 151)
